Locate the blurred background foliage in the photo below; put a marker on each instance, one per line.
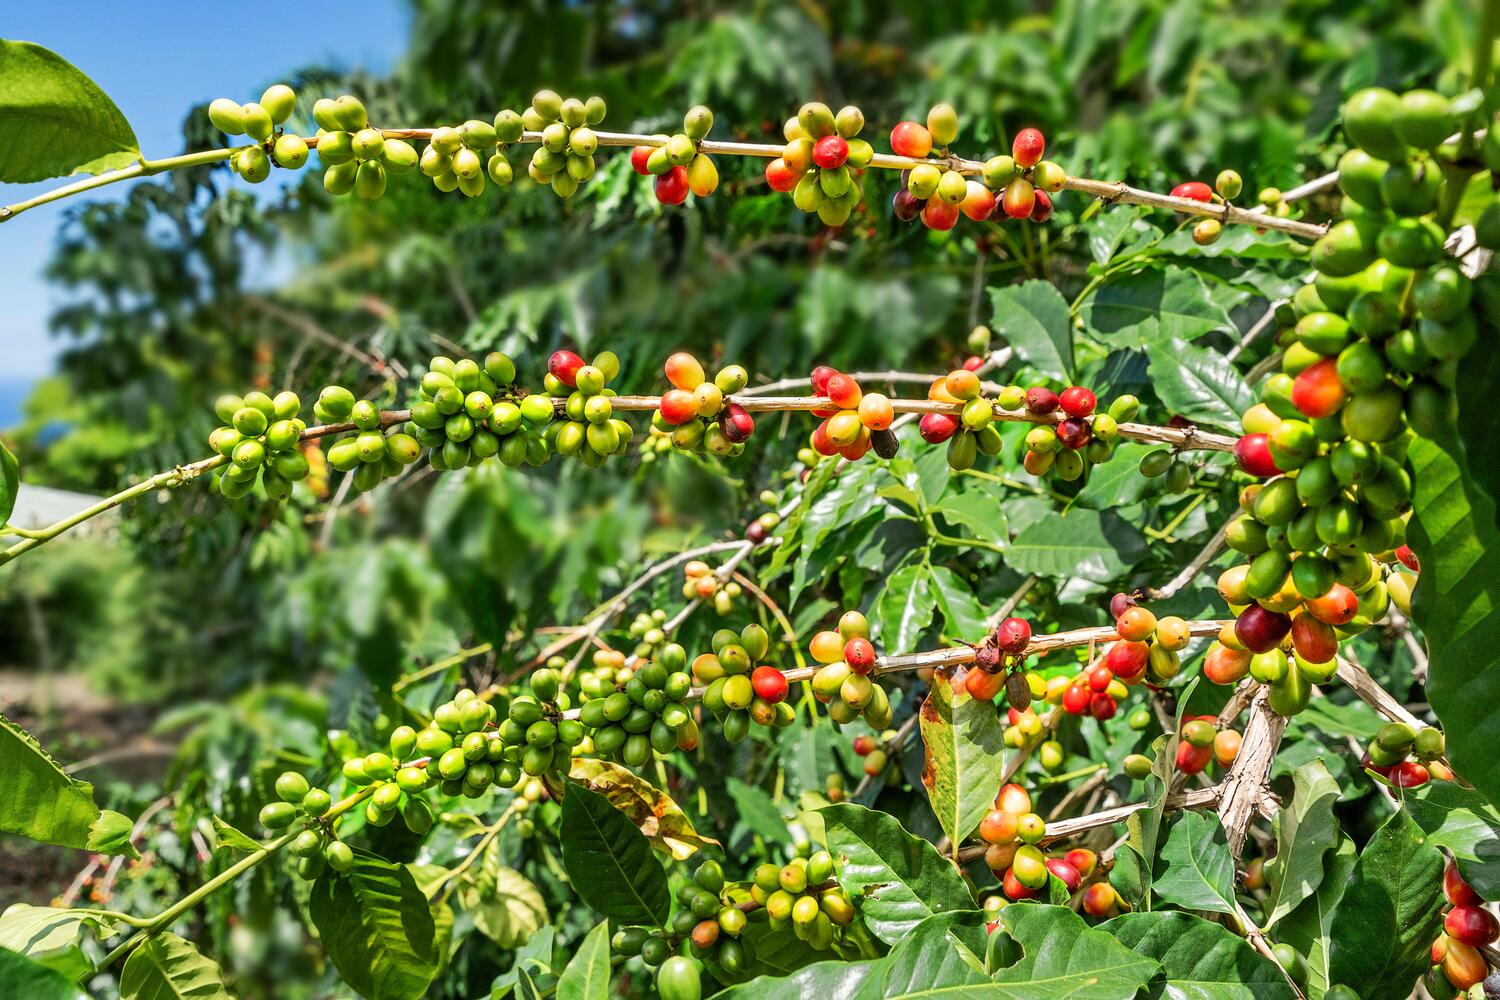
(197, 599)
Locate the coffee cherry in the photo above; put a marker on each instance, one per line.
(1028, 147)
(1019, 199)
(672, 187)
(1458, 891)
(1041, 208)
(1194, 191)
(911, 139)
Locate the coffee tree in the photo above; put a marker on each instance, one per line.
(1099, 662)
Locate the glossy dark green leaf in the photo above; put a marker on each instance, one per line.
(832, 980)
(376, 927)
(1463, 823)
(1200, 960)
(1197, 383)
(168, 966)
(1064, 957)
(1135, 859)
(757, 811)
(535, 953)
(1084, 543)
(904, 609)
(1199, 871)
(1385, 923)
(1453, 533)
(963, 615)
(37, 799)
(1033, 319)
(895, 879)
(586, 976)
(54, 120)
(942, 956)
(609, 861)
(1308, 926)
(1170, 303)
(1306, 831)
(21, 977)
(965, 745)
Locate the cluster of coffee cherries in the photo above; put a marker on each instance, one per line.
(259, 120)
(1467, 927)
(823, 161)
(1227, 187)
(565, 157)
(608, 669)
(1149, 647)
(261, 436)
(1013, 830)
(467, 412)
(736, 694)
(935, 192)
(697, 413)
(802, 893)
(589, 431)
(646, 629)
(701, 583)
(997, 665)
(876, 759)
(845, 682)
(357, 158)
(854, 422)
(315, 847)
(1200, 742)
(1080, 439)
(1389, 755)
(677, 163)
(471, 752)
(760, 529)
(459, 158)
(972, 432)
(647, 713)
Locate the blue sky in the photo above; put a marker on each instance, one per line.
(156, 60)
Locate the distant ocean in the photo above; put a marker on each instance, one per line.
(13, 392)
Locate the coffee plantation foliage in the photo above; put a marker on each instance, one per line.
(888, 502)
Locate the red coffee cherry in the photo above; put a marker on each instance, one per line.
(1409, 774)
(1041, 206)
(860, 655)
(1471, 925)
(1118, 603)
(638, 157)
(1408, 558)
(1337, 607)
(864, 744)
(1191, 759)
(1100, 900)
(1252, 453)
(1127, 660)
(906, 205)
(779, 176)
(830, 152)
(911, 139)
(755, 533)
(769, 684)
(1100, 677)
(983, 685)
(1013, 635)
(1076, 699)
(1028, 147)
(820, 377)
(1315, 641)
(736, 423)
(1019, 199)
(1103, 707)
(938, 215)
(1259, 630)
(564, 367)
(1014, 889)
(937, 427)
(842, 391)
(1317, 390)
(1194, 190)
(1070, 876)
(678, 406)
(1076, 401)
(1074, 433)
(1458, 891)
(1041, 400)
(672, 186)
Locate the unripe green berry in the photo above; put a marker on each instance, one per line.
(291, 787)
(227, 116)
(258, 125)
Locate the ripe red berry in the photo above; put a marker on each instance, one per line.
(842, 391)
(830, 151)
(1074, 433)
(1041, 400)
(911, 139)
(1099, 678)
(863, 745)
(1252, 453)
(678, 406)
(1408, 558)
(1118, 605)
(1013, 635)
(973, 363)
(564, 367)
(1459, 892)
(736, 423)
(1127, 660)
(638, 157)
(1315, 641)
(769, 684)
(672, 186)
(1409, 774)
(755, 533)
(1069, 875)
(1028, 147)
(1337, 607)
(1075, 699)
(821, 442)
(860, 655)
(939, 215)
(820, 377)
(1259, 630)
(1041, 206)
(1019, 199)
(937, 427)
(1077, 401)
(1103, 707)
(983, 685)
(906, 205)
(1317, 390)
(1194, 190)
(1013, 887)
(1191, 759)
(781, 177)
(1471, 925)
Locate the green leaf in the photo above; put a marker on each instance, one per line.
(895, 879)
(1033, 318)
(1199, 384)
(110, 834)
(54, 120)
(1118, 481)
(1136, 858)
(229, 838)
(37, 931)
(768, 952)
(609, 861)
(37, 799)
(939, 957)
(1383, 928)
(1460, 820)
(1453, 533)
(652, 810)
(1170, 303)
(1307, 928)
(1306, 830)
(10, 482)
(1200, 871)
(587, 974)
(21, 977)
(510, 912)
(1083, 543)
(535, 953)
(376, 927)
(1200, 960)
(965, 748)
(757, 811)
(978, 513)
(836, 980)
(962, 612)
(1064, 957)
(904, 608)
(168, 966)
